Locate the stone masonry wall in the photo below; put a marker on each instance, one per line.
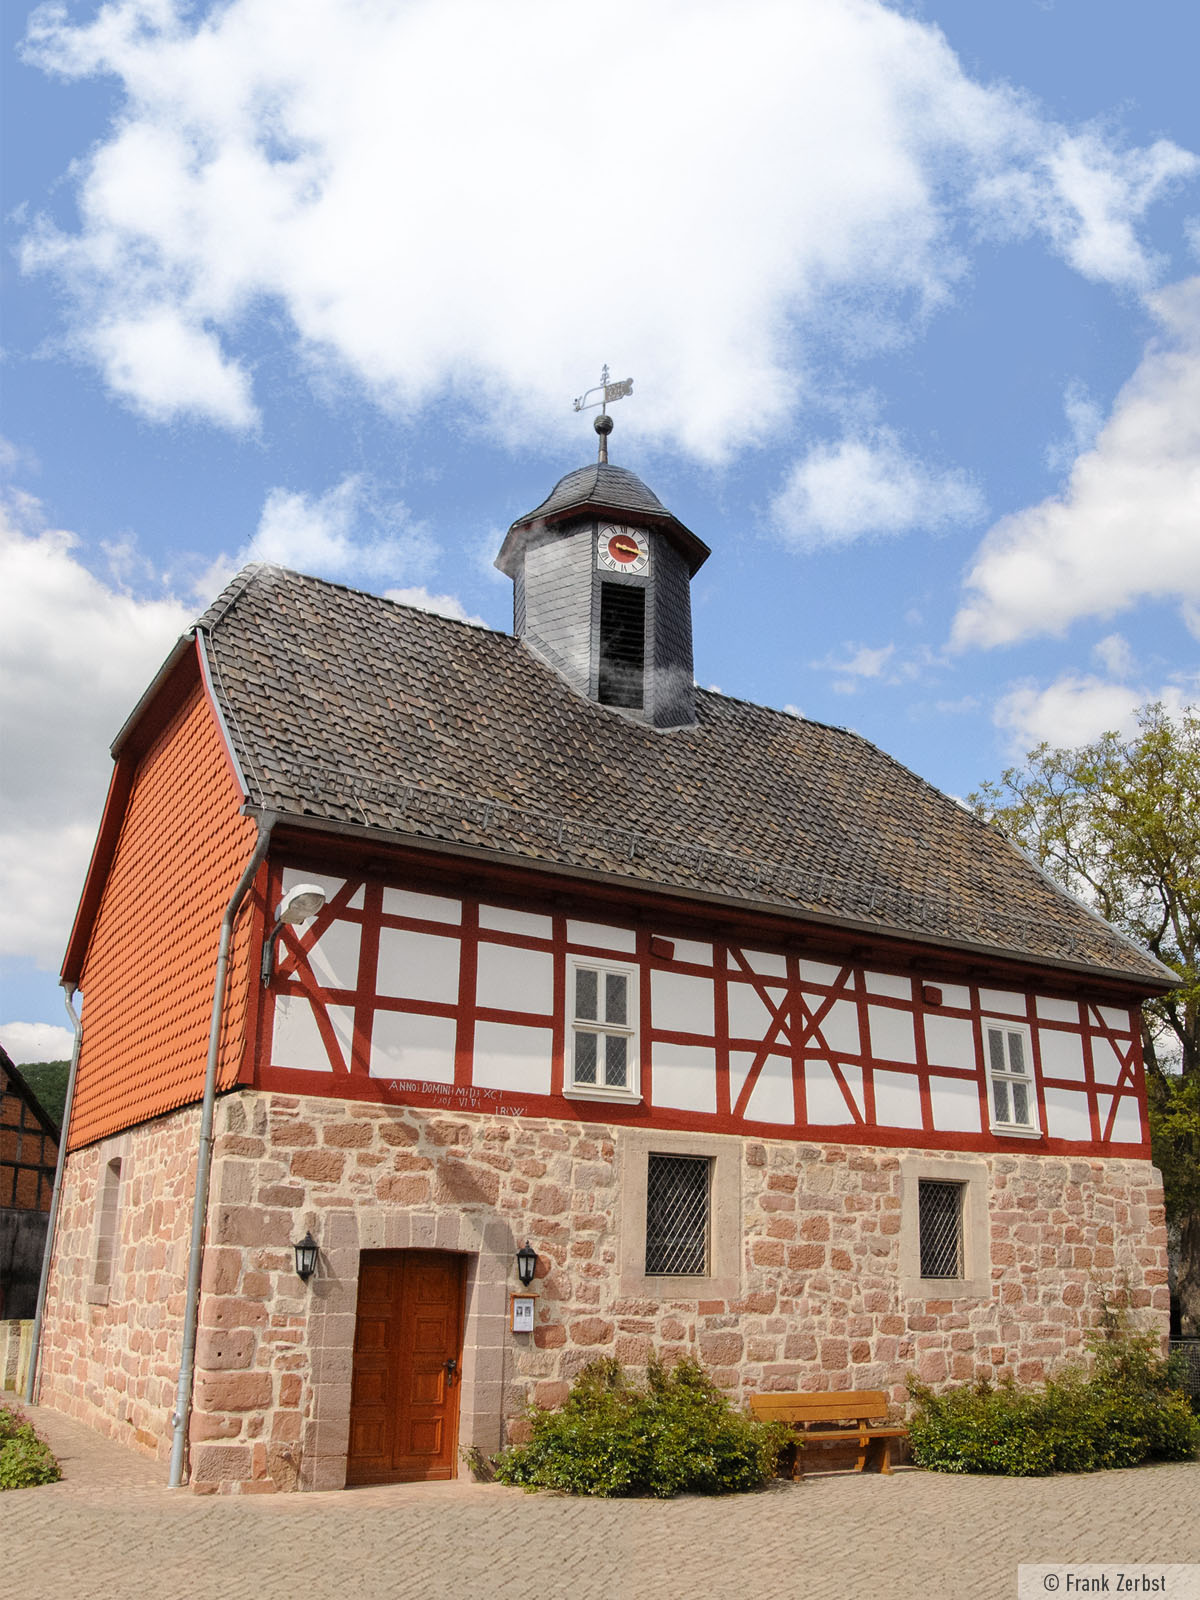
(111, 1358)
(821, 1302)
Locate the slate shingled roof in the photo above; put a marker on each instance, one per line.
(347, 707)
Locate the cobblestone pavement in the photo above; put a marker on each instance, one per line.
(111, 1530)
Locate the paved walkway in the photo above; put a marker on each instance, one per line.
(110, 1530)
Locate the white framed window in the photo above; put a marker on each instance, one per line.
(602, 1047)
(1008, 1052)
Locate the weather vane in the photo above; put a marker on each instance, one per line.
(603, 424)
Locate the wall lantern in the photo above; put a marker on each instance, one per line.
(300, 903)
(526, 1263)
(307, 1251)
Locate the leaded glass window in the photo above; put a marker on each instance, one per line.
(941, 1208)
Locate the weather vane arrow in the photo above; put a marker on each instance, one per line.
(607, 392)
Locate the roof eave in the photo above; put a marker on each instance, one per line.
(1142, 984)
(693, 549)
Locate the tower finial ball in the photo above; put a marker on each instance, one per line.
(603, 423)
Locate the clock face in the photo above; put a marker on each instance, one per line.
(622, 550)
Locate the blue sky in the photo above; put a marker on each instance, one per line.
(910, 295)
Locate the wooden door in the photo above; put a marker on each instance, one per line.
(407, 1352)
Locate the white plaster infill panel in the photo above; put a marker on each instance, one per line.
(1052, 1010)
(826, 1102)
(681, 1004)
(766, 963)
(421, 907)
(949, 1041)
(818, 972)
(976, 1282)
(685, 1076)
(724, 1282)
(1002, 1001)
(1118, 1021)
(600, 936)
(418, 966)
(1107, 1065)
(892, 1037)
(954, 1103)
(332, 886)
(839, 1028)
(748, 1016)
(773, 1098)
(406, 1045)
(296, 1040)
(897, 1099)
(1127, 1124)
(527, 924)
(693, 952)
(1062, 1054)
(1067, 1115)
(333, 959)
(512, 979)
(887, 983)
(514, 1058)
(955, 995)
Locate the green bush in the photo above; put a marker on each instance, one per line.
(1125, 1412)
(25, 1460)
(676, 1433)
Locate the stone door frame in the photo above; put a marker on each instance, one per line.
(489, 1247)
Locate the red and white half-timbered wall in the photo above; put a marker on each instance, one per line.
(449, 1000)
(413, 1080)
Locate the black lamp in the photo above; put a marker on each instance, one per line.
(526, 1263)
(306, 1256)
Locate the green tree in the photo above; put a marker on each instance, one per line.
(1117, 822)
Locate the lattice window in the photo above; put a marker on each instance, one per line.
(1010, 1077)
(604, 1033)
(941, 1223)
(677, 1216)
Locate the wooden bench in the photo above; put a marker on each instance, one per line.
(844, 1415)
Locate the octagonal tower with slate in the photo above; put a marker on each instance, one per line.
(602, 576)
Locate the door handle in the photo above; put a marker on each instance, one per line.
(451, 1369)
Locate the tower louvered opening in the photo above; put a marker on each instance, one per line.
(622, 646)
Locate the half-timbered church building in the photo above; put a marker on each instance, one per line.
(773, 1054)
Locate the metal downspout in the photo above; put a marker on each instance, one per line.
(44, 1281)
(187, 1363)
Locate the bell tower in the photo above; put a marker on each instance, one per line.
(601, 575)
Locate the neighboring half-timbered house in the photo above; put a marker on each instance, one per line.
(774, 1054)
(28, 1154)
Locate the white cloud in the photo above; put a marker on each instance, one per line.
(860, 486)
(1126, 527)
(347, 533)
(36, 1041)
(410, 192)
(166, 369)
(445, 605)
(1078, 707)
(1114, 655)
(75, 654)
(1084, 418)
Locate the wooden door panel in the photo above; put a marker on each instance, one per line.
(403, 1411)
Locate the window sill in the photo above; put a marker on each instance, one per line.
(96, 1296)
(1011, 1130)
(621, 1097)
